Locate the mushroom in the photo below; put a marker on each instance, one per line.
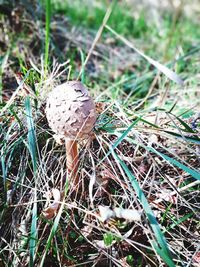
(71, 114)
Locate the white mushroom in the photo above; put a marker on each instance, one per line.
(71, 114)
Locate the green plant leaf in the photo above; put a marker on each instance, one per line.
(108, 238)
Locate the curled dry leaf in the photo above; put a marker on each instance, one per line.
(51, 210)
(128, 214)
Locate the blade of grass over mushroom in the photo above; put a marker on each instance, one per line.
(164, 251)
(169, 73)
(32, 150)
(47, 33)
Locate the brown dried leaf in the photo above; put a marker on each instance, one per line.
(50, 211)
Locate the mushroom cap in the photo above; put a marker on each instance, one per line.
(70, 110)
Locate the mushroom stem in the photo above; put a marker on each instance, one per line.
(72, 160)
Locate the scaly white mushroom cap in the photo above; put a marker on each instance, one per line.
(71, 111)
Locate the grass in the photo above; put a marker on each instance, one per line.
(32, 149)
(144, 153)
(91, 14)
(47, 32)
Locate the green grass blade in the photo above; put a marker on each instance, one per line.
(32, 150)
(5, 166)
(52, 233)
(164, 251)
(47, 32)
(82, 67)
(163, 255)
(182, 219)
(6, 155)
(192, 139)
(33, 234)
(185, 125)
(195, 174)
(120, 139)
(149, 123)
(31, 133)
(4, 175)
